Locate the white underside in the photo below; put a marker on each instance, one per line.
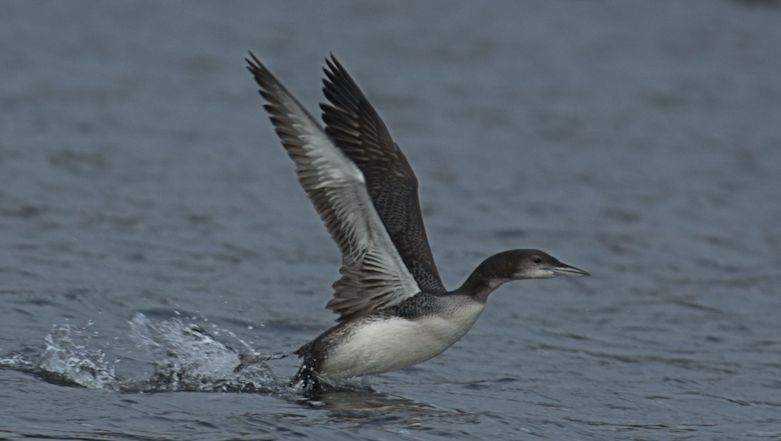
(395, 343)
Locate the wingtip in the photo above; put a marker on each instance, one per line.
(253, 63)
(329, 68)
(333, 63)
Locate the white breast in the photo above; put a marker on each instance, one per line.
(393, 343)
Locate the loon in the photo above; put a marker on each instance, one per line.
(394, 311)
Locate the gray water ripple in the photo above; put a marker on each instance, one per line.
(637, 140)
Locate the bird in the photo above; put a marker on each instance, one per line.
(393, 309)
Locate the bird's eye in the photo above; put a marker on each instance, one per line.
(537, 259)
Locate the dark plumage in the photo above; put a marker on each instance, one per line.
(356, 128)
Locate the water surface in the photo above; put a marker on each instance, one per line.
(152, 229)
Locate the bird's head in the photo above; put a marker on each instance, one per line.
(534, 264)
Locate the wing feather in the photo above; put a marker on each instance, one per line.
(373, 275)
(357, 129)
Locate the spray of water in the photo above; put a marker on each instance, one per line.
(181, 357)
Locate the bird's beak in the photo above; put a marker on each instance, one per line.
(568, 270)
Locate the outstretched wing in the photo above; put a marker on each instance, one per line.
(373, 274)
(357, 129)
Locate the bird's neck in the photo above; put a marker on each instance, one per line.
(481, 283)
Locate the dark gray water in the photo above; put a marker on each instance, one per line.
(151, 226)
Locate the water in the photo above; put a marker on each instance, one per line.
(152, 230)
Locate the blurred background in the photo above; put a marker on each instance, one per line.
(637, 140)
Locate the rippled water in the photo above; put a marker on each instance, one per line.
(153, 234)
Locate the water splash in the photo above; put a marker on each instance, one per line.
(69, 358)
(181, 357)
(189, 358)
